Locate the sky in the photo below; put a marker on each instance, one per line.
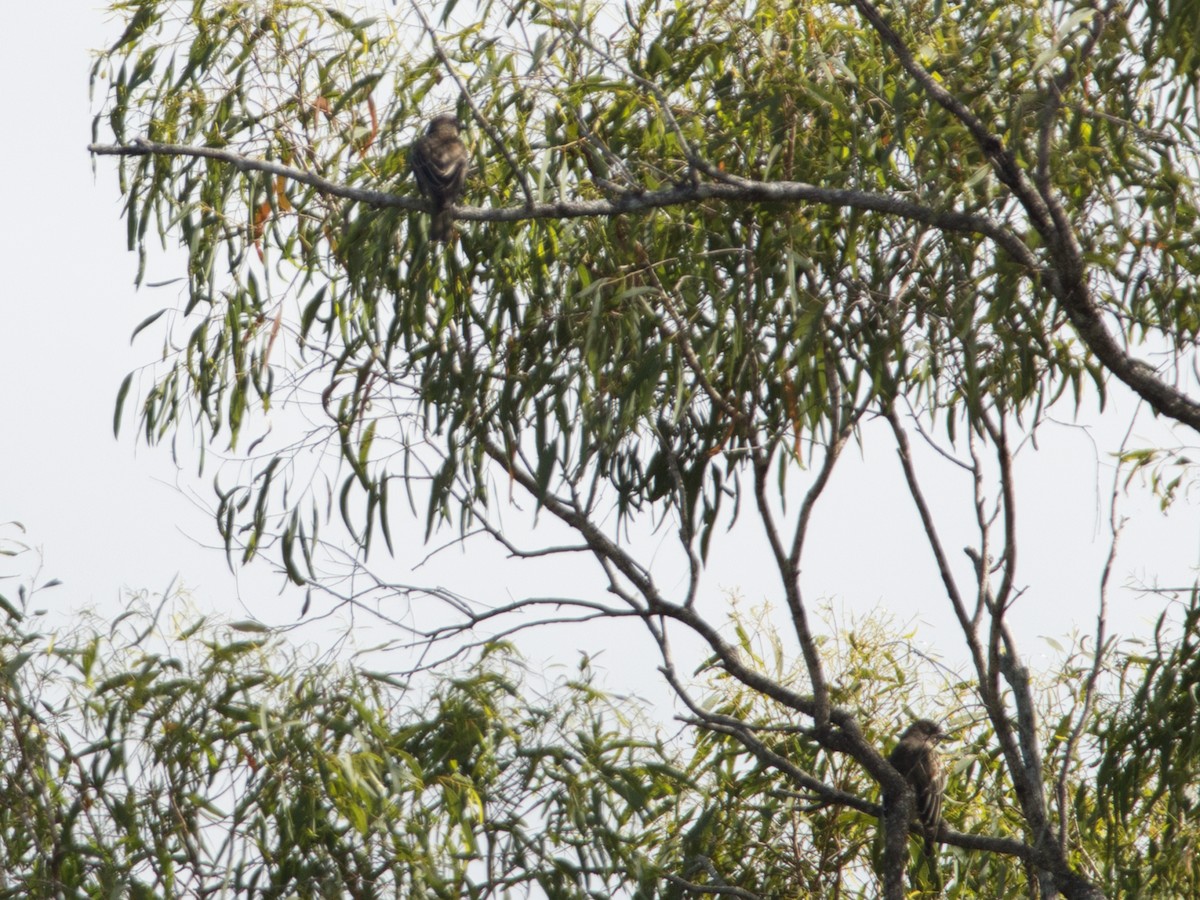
(107, 515)
(95, 507)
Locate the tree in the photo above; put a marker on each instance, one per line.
(170, 755)
(706, 248)
(166, 754)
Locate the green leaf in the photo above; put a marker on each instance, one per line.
(122, 393)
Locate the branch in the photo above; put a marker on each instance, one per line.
(730, 189)
(904, 452)
(664, 102)
(680, 336)
(144, 147)
(1068, 286)
(845, 737)
(986, 665)
(999, 438)
(1116, 525)
(789, 576)
(1018, 744)
(1141, 377)
(1058, 86)
(743, 733)
(721, 889)
(1006, 168)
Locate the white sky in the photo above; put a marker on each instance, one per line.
(67, 309)
(106, 514)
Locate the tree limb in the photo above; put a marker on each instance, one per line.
(730, 189)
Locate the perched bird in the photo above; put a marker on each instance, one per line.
(439, 163)
(916, 758)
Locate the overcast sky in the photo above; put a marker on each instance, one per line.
(110, 514)
(94, 506)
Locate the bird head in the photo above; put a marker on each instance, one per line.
(927, 729)
(445, 124)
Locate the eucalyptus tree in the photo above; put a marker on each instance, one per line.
(701, 247)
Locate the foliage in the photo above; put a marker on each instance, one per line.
(167, 755)
(1172, 26)
(745, 324)
(1145, 793)
(224, 761)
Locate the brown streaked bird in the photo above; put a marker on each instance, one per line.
(439, 163)
(916, 758)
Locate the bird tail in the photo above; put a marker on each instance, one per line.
(441, 226)
(931, 864)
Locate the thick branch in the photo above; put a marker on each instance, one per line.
(1073, 293)
(718, 889)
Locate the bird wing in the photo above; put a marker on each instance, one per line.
(922, 769)
(440, 167)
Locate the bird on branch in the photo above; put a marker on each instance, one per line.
(439, 163)
(916, 758)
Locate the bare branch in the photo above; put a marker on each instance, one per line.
(904, 452)
(789, 575)
(1021, 751)
(1116, 525)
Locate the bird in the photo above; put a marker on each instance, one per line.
(916, 758)
(439, 163)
